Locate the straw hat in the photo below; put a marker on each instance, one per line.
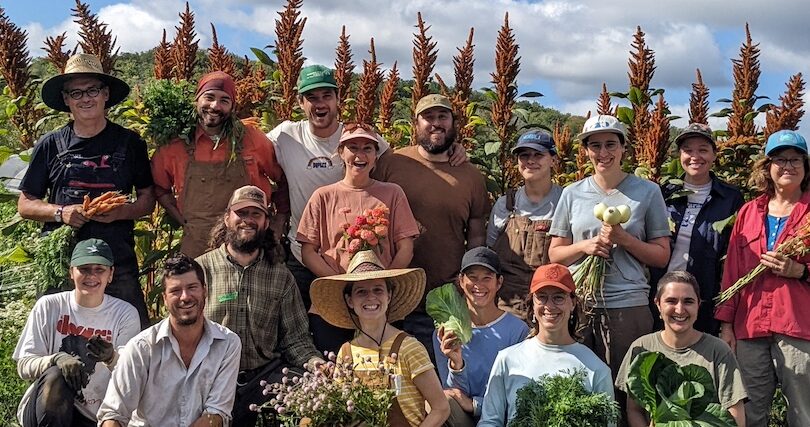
(327, 292)
(82, 65)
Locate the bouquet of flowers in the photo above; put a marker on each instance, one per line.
(367, 229)
(796, 246)
(333, 395)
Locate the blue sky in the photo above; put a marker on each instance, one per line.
(568, 48)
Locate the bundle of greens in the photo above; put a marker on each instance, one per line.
(449, 310)
(170, 108)
(673, 395)
(37, 262)
(563, 401)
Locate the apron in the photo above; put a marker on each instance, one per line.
(377, 379)
(521, 248)
(207, 191)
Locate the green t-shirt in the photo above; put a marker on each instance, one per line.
(709, 352)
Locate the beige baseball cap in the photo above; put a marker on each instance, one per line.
(249, 195)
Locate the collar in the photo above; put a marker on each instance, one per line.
(164, 330)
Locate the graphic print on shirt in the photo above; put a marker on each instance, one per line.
(320, 162)
(65, 327)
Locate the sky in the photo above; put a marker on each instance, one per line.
(567, 48)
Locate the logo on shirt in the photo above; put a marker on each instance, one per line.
(65, 327)
(320, 162)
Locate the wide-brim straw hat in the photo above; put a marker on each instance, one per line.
(327, 292)
(82, 65)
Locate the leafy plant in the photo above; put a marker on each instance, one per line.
(12, 321)
(561, 401)
(170, 107)
(675, 396)
(449, 310)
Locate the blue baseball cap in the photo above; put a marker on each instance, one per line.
(785, 139)
(536, 139)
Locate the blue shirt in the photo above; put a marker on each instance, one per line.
(774, 226)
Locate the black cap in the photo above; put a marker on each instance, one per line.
(483, 256)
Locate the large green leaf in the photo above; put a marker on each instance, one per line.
(449, 309)
(641, 381)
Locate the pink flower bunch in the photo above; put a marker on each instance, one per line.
(366, 231)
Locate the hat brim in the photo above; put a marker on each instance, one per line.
(361, 136)
(52, 89)
(314, 86)
(539, 148)
(248, 203)
(90, 259)
(584, 135)
(327, 294)
(429, 106)
(682, 137)
(481, 264)
(537, 286)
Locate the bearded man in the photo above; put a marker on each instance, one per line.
(450, 202)
(193, 179)
(252, 293)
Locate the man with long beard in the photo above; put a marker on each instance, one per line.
(194, 178)
(180, 372)
(450, 202)
(252, 293)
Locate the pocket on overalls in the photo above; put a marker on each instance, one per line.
(537, 242)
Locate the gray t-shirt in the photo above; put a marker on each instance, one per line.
(499, 216)
(626, 282)
(709, 352)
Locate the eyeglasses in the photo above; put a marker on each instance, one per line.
(78, 93)
(783, 162)
(556, 299)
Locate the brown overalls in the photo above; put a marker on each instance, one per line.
(521, 248)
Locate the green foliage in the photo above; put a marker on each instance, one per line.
(673, 395)
(170, 109)
(563, 401)
(12, 321)
(449, 310)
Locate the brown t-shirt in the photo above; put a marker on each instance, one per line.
(443, 198)
(322, 220)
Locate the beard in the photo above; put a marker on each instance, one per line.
(242, 244)
(423, 139)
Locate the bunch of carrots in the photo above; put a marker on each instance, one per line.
(103, 203)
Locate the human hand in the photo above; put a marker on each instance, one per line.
(458, 155)
(463, 400)
(100, 349)
(615, 234)
(782, 265)
(598, 245)
(71, 367)
(450, 346)
(115, 214)
(73, 216)
(727, 335)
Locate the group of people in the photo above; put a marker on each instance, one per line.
(249, 299)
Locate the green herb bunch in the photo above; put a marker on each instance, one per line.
(675, 395)
(37, 263)
(562, 401)
(170, 108)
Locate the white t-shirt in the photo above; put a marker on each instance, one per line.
(57, 316)
(309, 163)
(694, 203)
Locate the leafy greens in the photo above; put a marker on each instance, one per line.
(448, 309)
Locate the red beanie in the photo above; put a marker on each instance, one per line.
(217, 80)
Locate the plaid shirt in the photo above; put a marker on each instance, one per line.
(261, 303)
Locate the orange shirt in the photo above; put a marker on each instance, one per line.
(170, 161)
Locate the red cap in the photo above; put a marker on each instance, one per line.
(217, 80)
(556, 275)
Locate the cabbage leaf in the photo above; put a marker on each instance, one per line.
(448, 308)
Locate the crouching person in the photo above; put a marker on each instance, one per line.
(68, 346)
(181, 371)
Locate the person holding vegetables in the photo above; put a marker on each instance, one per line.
(696, 206)
(356, 212)
(551, 349)
(464, 366)
(520, 219)
(762, 320)
(367, 299)
(87, 157)
(617, 304)
(678, 300)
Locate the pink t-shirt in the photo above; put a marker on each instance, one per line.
(321, 221)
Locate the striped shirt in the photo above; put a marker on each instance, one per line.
(412, 361)
(261, 303)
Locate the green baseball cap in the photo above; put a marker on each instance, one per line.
(315, 77)
(92, 251)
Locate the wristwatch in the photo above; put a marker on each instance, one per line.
(58, 215)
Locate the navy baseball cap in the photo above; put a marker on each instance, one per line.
(482, 256)
(536, 139)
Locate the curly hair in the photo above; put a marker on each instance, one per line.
(761, 176)
(181, 264)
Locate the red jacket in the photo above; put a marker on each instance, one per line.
(771, 304)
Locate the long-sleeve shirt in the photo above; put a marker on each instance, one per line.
(262, 304)
(770, 304)
(151, 386)
(479, 355)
